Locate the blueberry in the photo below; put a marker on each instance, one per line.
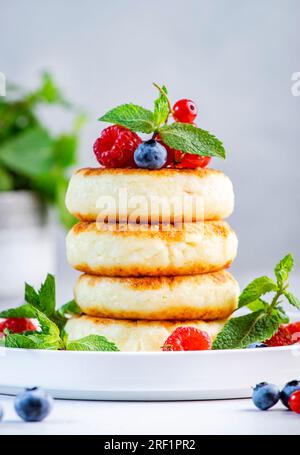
(33, 405)
(287, 391)
(257, 345)
(265, 395)
(150, 155)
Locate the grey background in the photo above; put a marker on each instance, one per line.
(234, 58)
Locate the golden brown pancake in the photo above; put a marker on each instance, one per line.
(135, 335)
(208, 296)
(153, 195)
(136, 250)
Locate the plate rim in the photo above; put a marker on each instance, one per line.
(210, 352)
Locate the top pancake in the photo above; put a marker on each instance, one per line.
(164, 195)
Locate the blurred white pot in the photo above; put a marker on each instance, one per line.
(27, 251)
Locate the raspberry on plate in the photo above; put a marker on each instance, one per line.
(115, 147)
(281, 338)
(17, 325)
(187, 339)
(294, 330)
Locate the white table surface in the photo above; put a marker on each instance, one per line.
(154, 418)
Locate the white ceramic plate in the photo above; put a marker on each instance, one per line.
(147, 376)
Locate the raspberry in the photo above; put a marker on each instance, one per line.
(294, 331)
(187, 339)
(115, 147)
(184, 111)
(294, 402)
(17, 325)
(281, 338)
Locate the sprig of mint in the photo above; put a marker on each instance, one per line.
(181, 136)
(265, 317)
(41, 305)
(92, 343)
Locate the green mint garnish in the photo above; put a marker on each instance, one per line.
(190, 139)
(92, 343)
(41, 305)
(257, 288)
(241, 331)
(134, 117)
(162, 107)
(70, 308)
(264, 321)
(180, 136)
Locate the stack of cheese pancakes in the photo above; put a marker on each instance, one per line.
(153, 249)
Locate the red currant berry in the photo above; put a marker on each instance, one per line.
(294, 402)
(184, 111)
(115, 147)
(190, 161)
(187, 339)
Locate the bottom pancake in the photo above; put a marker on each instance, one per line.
(135, 335)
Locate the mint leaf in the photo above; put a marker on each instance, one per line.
(190, 139)
(23, 311)
(70, 308)
(17, 340)
(32, 163)
(31, 296)
(48, 92)
(6, 180)
(239, 332)
(280, 314)
(92, 343)
(44, 300)
(161, 107)
(292, 299)
(257, 305)
(64, 150)
(256, 289)
(47, 296)
(32, 341)
(134, 117)
(283, 269)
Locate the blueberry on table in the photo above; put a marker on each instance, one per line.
(150, 155)
(265, 395)
(287, 391)
(33, 405)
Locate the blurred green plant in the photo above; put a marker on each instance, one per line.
(31, 157)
